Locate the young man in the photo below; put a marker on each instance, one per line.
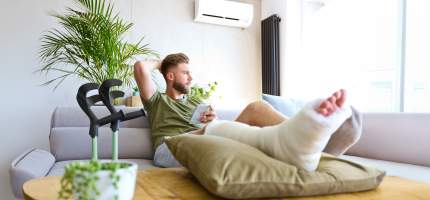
(299, 140)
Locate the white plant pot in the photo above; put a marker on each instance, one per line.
(126, 184)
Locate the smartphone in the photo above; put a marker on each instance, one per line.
(197, 113)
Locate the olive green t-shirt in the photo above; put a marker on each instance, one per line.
(169, 117)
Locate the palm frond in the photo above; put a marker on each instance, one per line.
(90, 44)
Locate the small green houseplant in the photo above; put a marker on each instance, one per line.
(90, 45)
(97, 180)
(203, 93)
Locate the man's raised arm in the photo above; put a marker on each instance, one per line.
(142, 74)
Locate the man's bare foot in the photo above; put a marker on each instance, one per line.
(332, 103)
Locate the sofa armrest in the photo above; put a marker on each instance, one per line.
(33, 163)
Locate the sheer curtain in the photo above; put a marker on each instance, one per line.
(417, 57)
(351, 44)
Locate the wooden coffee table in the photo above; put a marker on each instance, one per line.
(47, 188)
(178, 183)
(151, 184)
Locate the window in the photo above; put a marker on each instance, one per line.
(417, 56)
(376, 49)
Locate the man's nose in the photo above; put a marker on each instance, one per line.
(190, 78)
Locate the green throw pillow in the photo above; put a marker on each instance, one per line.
(231, 169)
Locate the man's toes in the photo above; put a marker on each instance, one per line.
(330, 109)
(323, 111)
(332, 103)
(332, 100)
(337, 94)
(340, 101)
(326, 108)
(324, 104)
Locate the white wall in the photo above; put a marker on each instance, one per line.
(228, 55)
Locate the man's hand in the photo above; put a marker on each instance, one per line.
(208, 115)
(152, 64)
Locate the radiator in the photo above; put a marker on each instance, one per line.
(270, 55)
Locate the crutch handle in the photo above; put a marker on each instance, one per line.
(86, 102)
(107, 96)
(134, 114)
(111, 118)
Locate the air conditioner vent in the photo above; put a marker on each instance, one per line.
(212, 15)
(223, 12)
(232, 18)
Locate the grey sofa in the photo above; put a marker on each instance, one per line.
(397, 143)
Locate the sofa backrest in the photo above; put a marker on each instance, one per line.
(398, 137)
(69, 138)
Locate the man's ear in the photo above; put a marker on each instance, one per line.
(170, 76)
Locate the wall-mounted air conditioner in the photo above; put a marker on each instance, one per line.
(223, 12)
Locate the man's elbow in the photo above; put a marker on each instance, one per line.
(138, 66)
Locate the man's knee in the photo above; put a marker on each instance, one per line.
(257, 106)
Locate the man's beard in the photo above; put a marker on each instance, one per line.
(181, 87)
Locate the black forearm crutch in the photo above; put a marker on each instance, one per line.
(107, 96)
(85, 103)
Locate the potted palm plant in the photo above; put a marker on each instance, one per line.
(90, 44)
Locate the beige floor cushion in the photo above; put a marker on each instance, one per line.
(230, 169)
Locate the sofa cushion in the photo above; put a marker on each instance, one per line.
(287, 106)
(74, 143)
(231, 169)
(58, 168)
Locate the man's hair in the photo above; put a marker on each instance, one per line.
(172, 60)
